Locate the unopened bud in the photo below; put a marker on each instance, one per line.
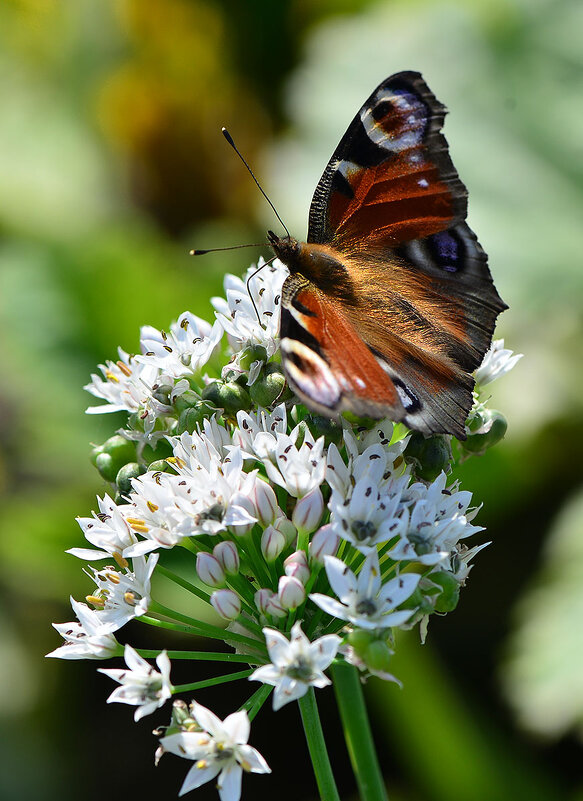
(287, 528)
(262, 599)
(246, 513)
(269, 386)
(265, 502)
(448, 598)
(486, 428)
(297, 566)
(210, 570)
(429, 455)
(274, 607)
(230, 396)
(308, 511)
(291, 592)
(126, 474)
(227, 603)
(324, 543)
(227, 555)
(272, 544)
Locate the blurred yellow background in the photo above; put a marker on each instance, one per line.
(112, 167)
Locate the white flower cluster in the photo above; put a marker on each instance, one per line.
(312, 540)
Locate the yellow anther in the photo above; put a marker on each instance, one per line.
(111, 377)
(152, 506)
(120, 560)
(201, 764)
(113, 577)
(130, 598)
(95, 601)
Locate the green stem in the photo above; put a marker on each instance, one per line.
(199, 685)
(256, 701)
(357, 733)
(317, 747)
(203, 656)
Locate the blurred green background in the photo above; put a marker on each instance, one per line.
(111, 168)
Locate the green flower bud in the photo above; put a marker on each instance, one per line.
(420, 601)
(108, 469)
(448, 598)
(229, 396)
(160, 466)
(211, 393)
(487, 427)
(193, 416)
(125, 475)
(254, 353)
(162, 393)
(268, 387)
(430, 455)
(186, 400)
(120, 448)
(378, 655)
(360, 640)
(94, 454)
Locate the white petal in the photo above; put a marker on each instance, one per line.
(253, 759)
(197, 776)
(399, 589)
(229, 783)
(341, 578)
(208, 720)
(238, 726)
(330, 605)
(288, 690)
(268, 674)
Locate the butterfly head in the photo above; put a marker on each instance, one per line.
(286, 248)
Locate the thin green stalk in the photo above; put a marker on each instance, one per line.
(317, 747)
(203, 629)
(357, 733)
(256, 701)
(203, 656)
(200, 685)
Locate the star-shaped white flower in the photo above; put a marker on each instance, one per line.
(296, 664)
(84, 639)
(108, 531)
(220, 749)
(123, 596)
(186, 348)
(497, 362)
(141, 685)
(364, 600)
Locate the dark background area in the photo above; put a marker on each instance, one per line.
(112, 167)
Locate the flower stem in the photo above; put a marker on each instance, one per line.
(203, 656)
(199, 685)
(317, 747)
(357, 733)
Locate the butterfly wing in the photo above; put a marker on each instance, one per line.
(392, 208)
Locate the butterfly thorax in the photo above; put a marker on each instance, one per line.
(318, 264)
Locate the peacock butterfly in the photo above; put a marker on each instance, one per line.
(389, 305)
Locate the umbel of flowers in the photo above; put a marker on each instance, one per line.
(313, 540)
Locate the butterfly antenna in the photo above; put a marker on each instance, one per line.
(229, 139)
(197, 252)
(253, 274)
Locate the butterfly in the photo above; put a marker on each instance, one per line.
(389, 304)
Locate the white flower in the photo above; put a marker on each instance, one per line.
(367, 517)
(297, 470)
(84, 639)
(237, 315)
(220, 749)
(497, 362)
(364, 600)
(185, 349)
(107, 530)
(297, 663)
(123, 596)
(432, 527)
(256, 432)
(141, 685)
(123, 387)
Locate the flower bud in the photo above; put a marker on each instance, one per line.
(160, 466)
(378, 656)
(186, 400)
(486, 428)
(227, 603)
(253, 353)
(291, 592)
(448, 598)
(126, 474)
(269, 386)
(262, 599)
(331, 430)
(275, 608)
(230, 396)
(297, 566)
(210, 570)
(272, 544)
(227, 555)
(287, 528)
(308, 511)
(429, 455)
(265, 502)
(324, 543)
(360, 640)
